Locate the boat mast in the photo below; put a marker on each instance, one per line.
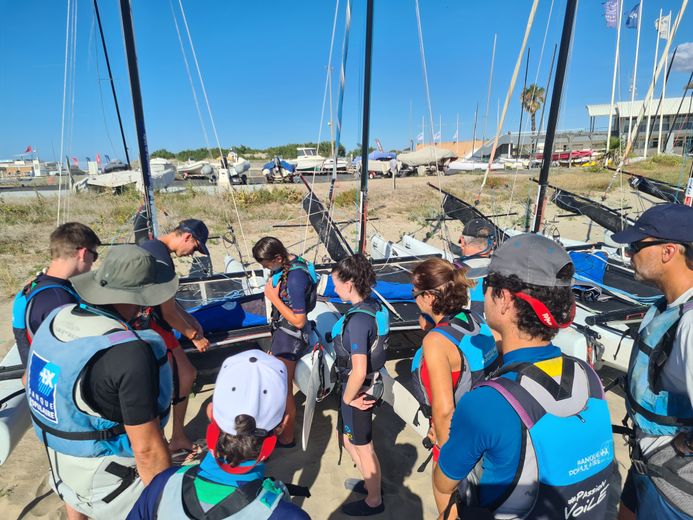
(363, 197)
(126, 16)
(110, 79)
(568, 23)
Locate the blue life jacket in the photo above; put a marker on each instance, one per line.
(62, 419)
(21, 308)
(255, 500)
(653, 410)
(280, 279)
(376, 351)
(476, 347)
(568, 451)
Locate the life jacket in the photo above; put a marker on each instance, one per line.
(62, 418)
(376, 351)
(567, 454)
(255, 500)
(477, 350)
(658, 412)
(280, 279)
(21, 309)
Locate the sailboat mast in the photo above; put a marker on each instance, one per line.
(110, 79)
(126, 17)
(568, 23)
(363, 197)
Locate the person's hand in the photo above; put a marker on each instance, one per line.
(201, 343)
(362, 403)
(271, 292)
(432, 435)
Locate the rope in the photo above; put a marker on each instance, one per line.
(509, 94)
(214, 127)
(648, 97)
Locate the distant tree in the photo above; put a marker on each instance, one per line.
(163, 154)
(533, 97)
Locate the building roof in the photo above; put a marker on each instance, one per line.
(627, 109)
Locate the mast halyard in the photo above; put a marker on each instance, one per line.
(561, 66)
(110, 79)
(363, 195)
(126, 17)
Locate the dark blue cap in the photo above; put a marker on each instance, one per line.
(199, 231)
(665, 221)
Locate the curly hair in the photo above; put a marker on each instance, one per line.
(443, 280)
(358, 270)
(245, 445)
(559, 300)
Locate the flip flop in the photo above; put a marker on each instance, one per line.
(360, 508)
(198, 452)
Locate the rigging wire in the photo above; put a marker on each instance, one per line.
(508, 96)
(62, 118)
(73, 88)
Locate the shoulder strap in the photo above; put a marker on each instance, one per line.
(240, 498)
(32, 292)
(662, 351)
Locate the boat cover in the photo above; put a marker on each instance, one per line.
(227, 314)
(426, 155)
(291, 168)
(391, 291)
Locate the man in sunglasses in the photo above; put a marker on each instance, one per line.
(659, 383)
(188, 237)
(476, 243)
(73, 248)
(539, 425)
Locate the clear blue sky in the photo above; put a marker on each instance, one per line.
(264, 66)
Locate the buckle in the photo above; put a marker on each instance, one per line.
(640, 466)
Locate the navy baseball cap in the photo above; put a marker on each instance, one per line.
(199, 231)
(478, 227)
(665, 221)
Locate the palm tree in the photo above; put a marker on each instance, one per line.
(533, 96)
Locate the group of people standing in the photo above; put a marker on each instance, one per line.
(517, 429)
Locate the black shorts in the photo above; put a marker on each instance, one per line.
(286, 346)
(629, 495)
(357, 424)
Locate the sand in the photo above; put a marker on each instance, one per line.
(23, 478)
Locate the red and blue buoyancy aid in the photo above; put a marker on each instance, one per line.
(376, 352)
(280, 278)
(567, 455)
(478, 355)
(21, 309)
(61, 417)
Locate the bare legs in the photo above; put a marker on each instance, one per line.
(186, 378)
(368, 465)
(289, 423)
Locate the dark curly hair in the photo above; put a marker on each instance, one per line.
(443, 280)
(358, 270)
(559, 300)
(245, 445)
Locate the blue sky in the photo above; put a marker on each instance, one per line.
(264, 65)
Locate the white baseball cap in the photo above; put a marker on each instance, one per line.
(250, 383)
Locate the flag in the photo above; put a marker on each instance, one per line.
(436, 136)
(29, 149)
(419, 137)
(75, 161)
(662, 25)
(108, 159)
(454, 137)
(611, 13)
(632, 18)
(98, 159)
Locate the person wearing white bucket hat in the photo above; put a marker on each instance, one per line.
(245, 415)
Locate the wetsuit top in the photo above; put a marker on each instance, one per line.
(298, 283)
(216, 485)
(44, 302)
(484, 423)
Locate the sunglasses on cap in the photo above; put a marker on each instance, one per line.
(635, 247)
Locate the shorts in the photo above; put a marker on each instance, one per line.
(288, 347)
(357, 425)
(166, 334)
(640, 494)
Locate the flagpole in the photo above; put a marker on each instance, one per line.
(423, 131)
(457, 135)
(654, 69)
(635, 70)
(613, 81)
(440, 128)
(476, 115)
(664, 92)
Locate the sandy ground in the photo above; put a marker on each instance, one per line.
(23, 478)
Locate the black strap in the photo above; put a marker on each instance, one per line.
(240, 498)
(126, 474)
(423, 465)
(98, 435)
(665, 420)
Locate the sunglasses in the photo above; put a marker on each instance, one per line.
(635, 247)
(485, 284)
(95, 254)
(416, 293)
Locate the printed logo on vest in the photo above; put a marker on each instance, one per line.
(585, 463)
(42, 388)
(585, 501)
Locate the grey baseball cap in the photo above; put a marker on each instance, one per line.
(535, 259)
(129, 274)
